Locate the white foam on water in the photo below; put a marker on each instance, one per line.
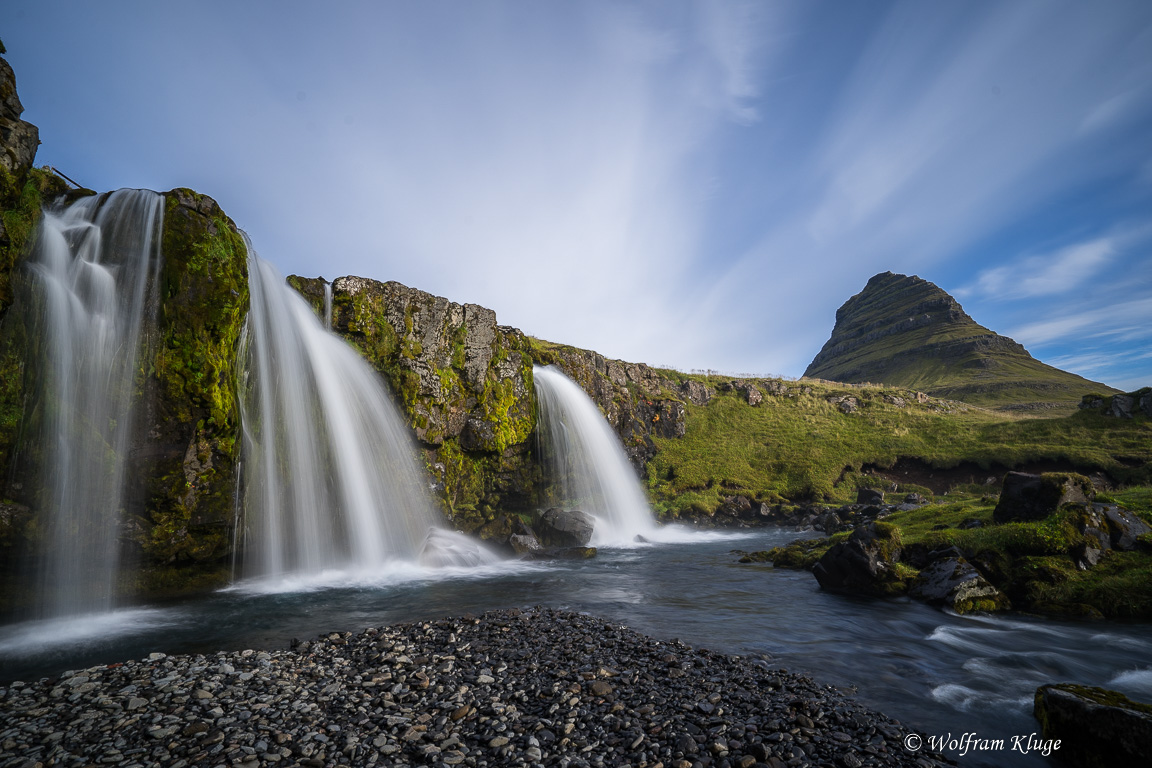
(683, 534)
(962, 698)
(1139, 680)
(391, 574)
(1120, 641)
(35, 637)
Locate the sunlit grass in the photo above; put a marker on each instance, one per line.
(804, 447)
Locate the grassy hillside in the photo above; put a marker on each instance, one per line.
(907, 332)
(800, 444)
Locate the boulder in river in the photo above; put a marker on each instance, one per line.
(1096, 727)
(863, 565)
(954, 583)
(564, 528)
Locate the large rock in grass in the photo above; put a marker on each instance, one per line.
(865, 564)
(1034, 497)
(564, 528)
(954, 583)
(1097, 728)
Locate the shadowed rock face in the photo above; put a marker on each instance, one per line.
(1033, 497)
(1095, 726)
(862, 565)
(18, 139)
(906, 331)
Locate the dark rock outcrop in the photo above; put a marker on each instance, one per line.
(865, 564)
(18, 139)
(905, 331)
(1122, 406)
(1097, 728)
(954, 583)
(1028, 497)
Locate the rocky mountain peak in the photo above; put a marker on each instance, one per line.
(903, 330)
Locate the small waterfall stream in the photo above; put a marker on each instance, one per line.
(332, 480)
(587, 464)
(95, 266)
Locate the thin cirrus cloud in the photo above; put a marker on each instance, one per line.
(1126, 321)
(699, 184)
(1050, 274)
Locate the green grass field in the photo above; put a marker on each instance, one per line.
(802, 447)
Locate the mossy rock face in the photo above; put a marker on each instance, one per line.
(954, 583)
(463, 382)
(20, 210)
(190, 445)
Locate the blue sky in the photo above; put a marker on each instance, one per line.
(690, 184)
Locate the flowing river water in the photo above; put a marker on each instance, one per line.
(934, 671)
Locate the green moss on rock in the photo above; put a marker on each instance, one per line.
(463, 383)
(193, 413)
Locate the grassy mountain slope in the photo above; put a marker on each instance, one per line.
(907, 332)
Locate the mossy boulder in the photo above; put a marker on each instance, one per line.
(190, 446)
(1096, 727)
(1028, 497)
(954, 583)
(866, 564)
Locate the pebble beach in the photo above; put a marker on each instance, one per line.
(538, 687)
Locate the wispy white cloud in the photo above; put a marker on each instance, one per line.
(1130, 320)
(695, 183)
(1061, 271)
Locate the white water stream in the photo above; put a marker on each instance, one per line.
(331, 476)
(587, 464)
(95, 266)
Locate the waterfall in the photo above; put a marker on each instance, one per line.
(95, 268)
(327, 305)
(586, 462)
(331, 477)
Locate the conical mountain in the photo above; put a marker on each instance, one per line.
(905, 331)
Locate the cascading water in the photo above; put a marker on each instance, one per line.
(327, 305)
(96, 265)
(587, 463)
(331, 481)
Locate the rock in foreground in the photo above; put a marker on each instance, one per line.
(1096, 727)
(541, 687)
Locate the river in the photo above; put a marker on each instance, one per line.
(937, 672)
